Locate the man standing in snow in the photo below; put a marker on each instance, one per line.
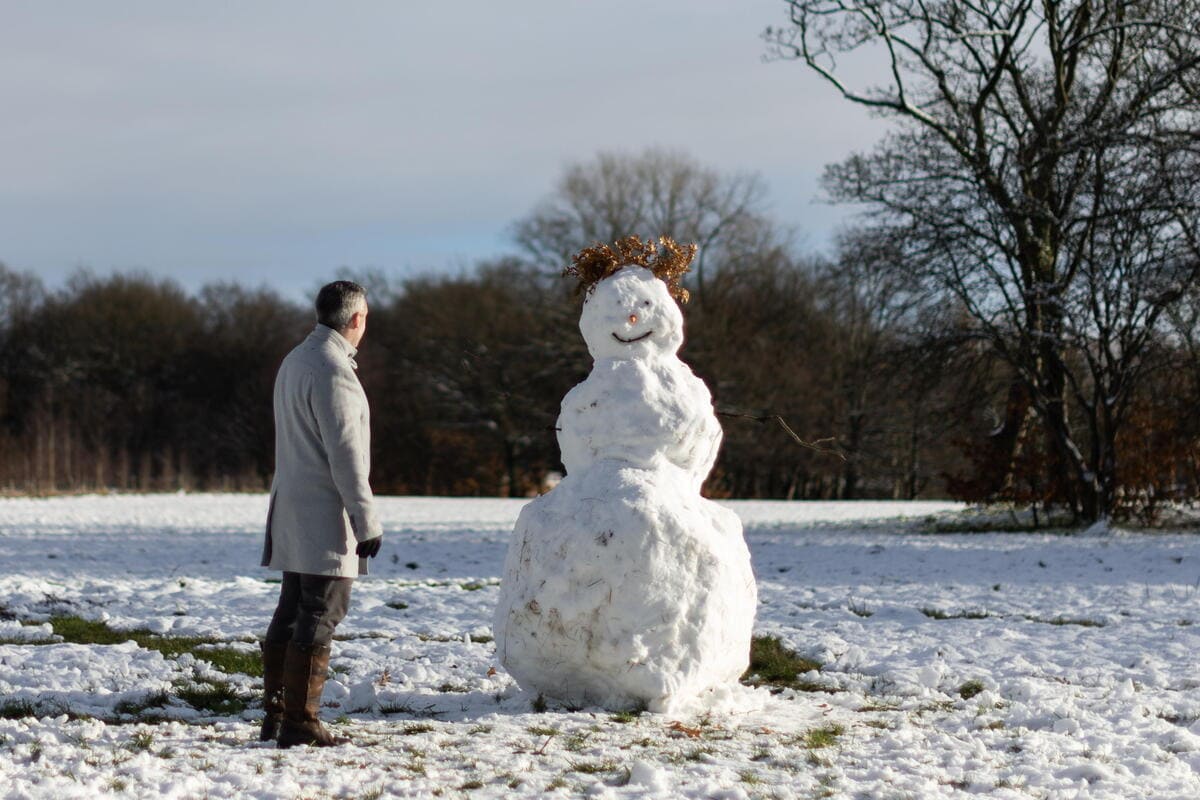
(322, 525)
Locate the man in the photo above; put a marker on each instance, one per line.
(322, 524)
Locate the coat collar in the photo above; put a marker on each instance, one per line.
(324, 333)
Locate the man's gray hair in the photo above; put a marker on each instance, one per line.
(337, 302)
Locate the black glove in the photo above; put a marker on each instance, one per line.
(369, 548)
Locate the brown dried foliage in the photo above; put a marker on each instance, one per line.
(593, 264)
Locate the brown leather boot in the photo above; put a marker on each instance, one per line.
(304, 671)
(272, 660)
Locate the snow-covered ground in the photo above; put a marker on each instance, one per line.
(1001, 665)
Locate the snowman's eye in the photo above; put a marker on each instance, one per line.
(645, 302)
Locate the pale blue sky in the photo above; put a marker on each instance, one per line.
(272, 142)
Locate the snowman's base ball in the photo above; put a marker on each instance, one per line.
(623, 588)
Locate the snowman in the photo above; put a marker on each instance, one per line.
(623, 587)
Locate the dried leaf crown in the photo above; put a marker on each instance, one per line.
(593, 264)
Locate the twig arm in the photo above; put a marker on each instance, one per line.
(818, 446)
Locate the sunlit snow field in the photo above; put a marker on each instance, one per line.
(999, 665)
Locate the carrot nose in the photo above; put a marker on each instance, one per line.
(633, 319)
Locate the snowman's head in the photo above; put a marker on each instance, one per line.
(631, 314)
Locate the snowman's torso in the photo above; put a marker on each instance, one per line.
(623, 586)
(641, 411)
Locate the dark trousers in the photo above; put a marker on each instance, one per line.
(310, 607)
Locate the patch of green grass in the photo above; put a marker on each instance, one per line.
(878, 705)
(539, 704)
(399, 605)
(594, 767)
(935, 707)
(140, 742)
(558, 783)
(17, 709)
(480, 638)
(542, 730)
(1083, 623)
(78, 630)
(749, 777)
(474, 784)
(472, 586)
(626, 717)
(417, 728)
(229, 660)
(698, 754)
(825, 736)
(403, 707)
(40, 707)
(14, 640)
(937, 613)
(773, 664)
(135, 707)
(212, 696)
(576, 742)
(353, 637)
(970, 689)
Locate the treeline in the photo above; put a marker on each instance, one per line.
(127, 382)
(834, 377)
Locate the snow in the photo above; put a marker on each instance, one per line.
(623, 587)
(1083, 650)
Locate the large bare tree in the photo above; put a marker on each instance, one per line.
(1043, 174)
(651, 193)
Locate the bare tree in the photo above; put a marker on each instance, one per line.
(1044, 176)
(869, 299)
(652, 193)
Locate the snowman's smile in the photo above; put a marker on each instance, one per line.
(634, 339)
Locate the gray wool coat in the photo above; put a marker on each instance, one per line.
(321, 502)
